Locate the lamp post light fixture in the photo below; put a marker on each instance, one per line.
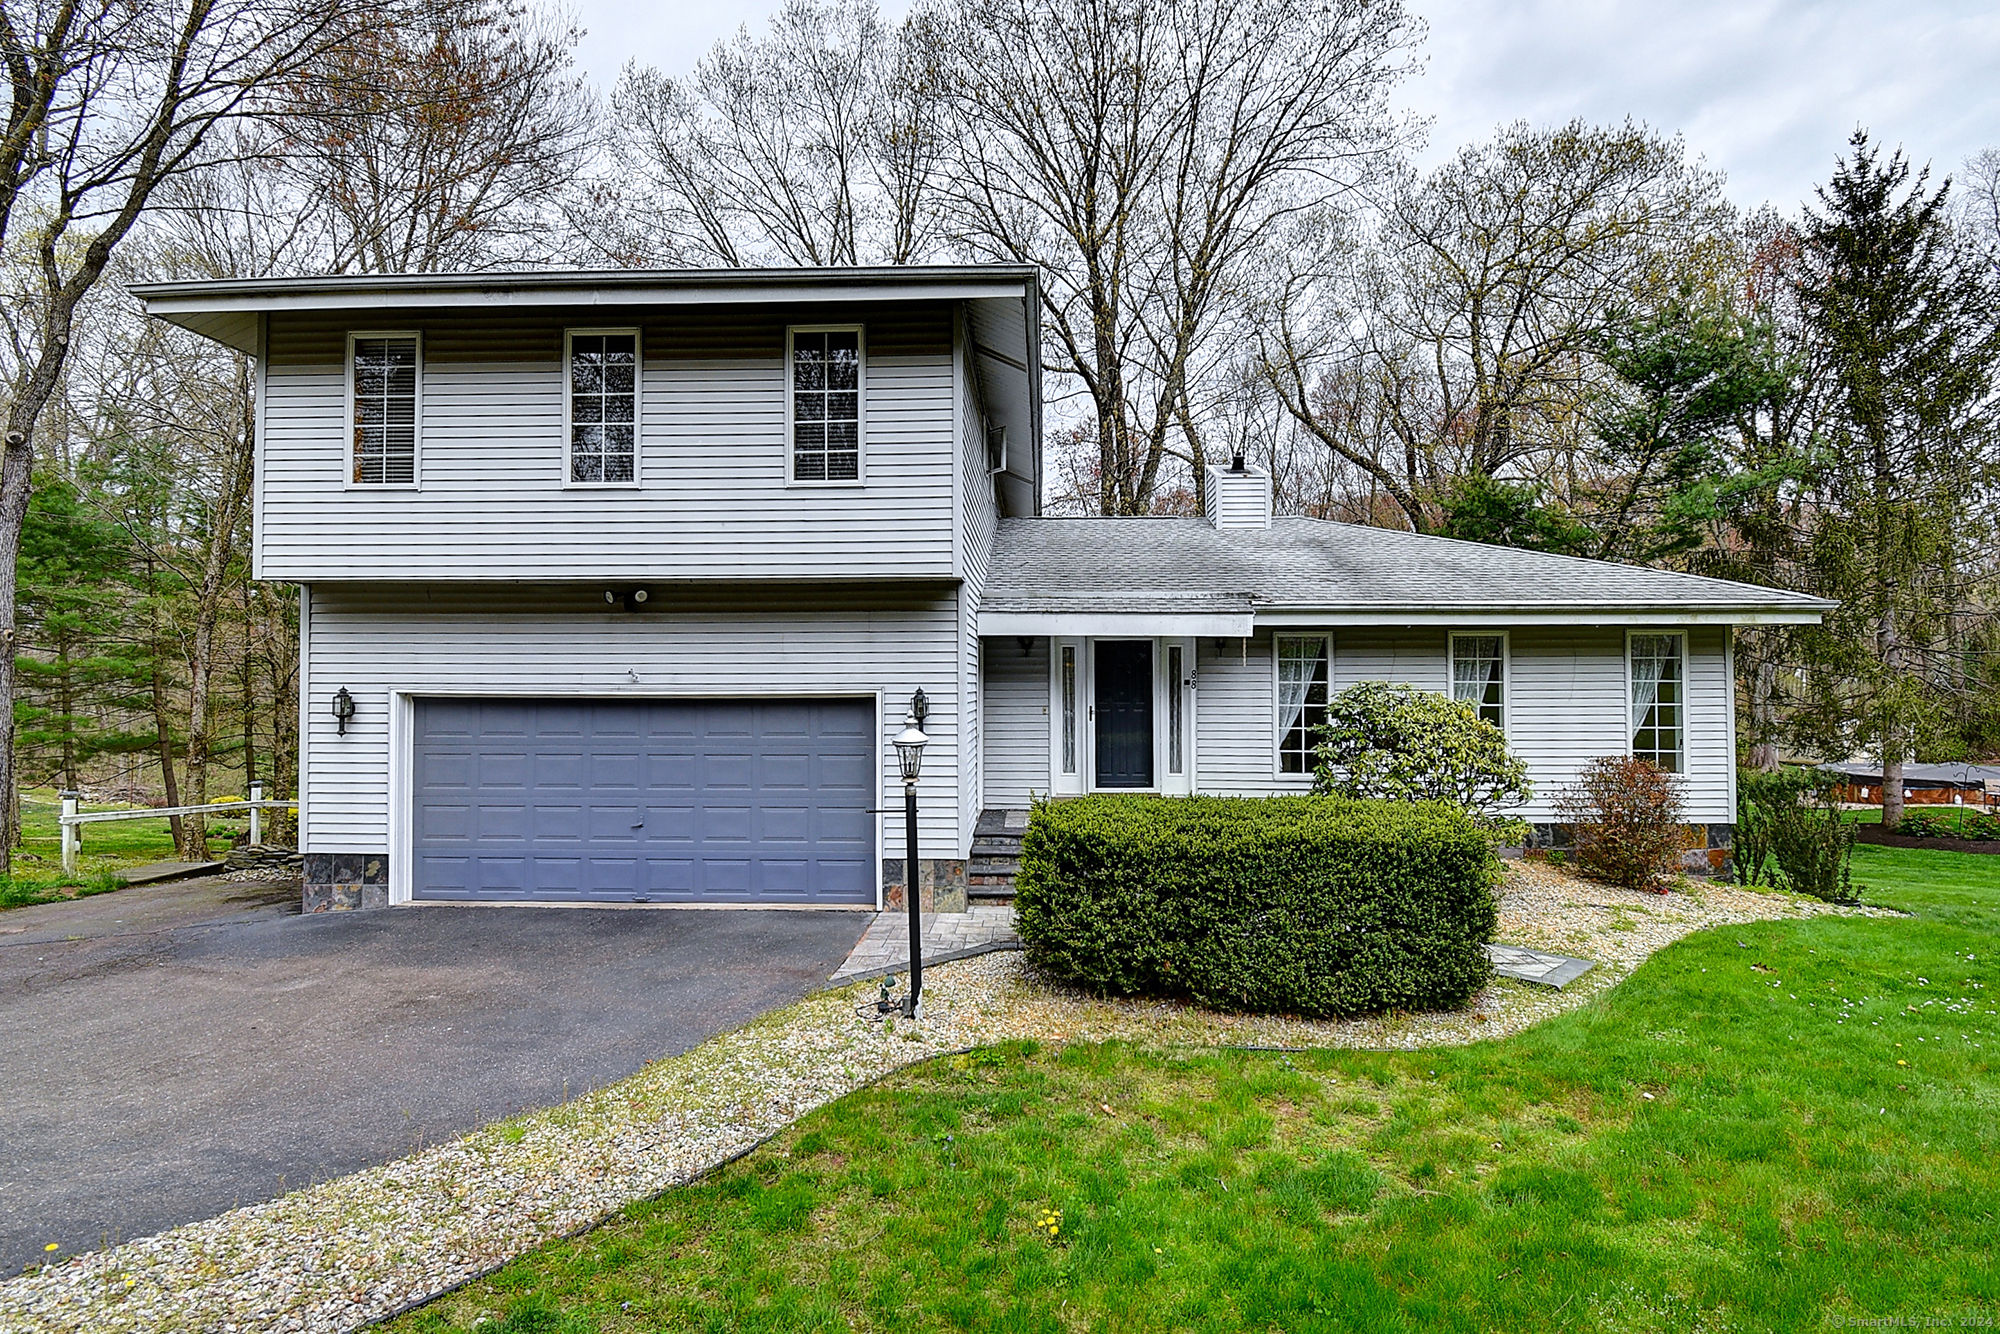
(910, 759)
(343, 708)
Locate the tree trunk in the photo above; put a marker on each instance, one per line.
(208, 613)
(1892, 786)
(1763, 690)
(163, 728)
(16, 475)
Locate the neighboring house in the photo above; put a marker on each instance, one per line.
(630, 577)
(1957, 784)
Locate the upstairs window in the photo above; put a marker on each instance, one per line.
(1479, 674)
(1659, 700)
(1303, 663)
(382, 389)
(603, 407)
(826, 404)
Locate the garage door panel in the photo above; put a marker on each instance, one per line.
(765, 801)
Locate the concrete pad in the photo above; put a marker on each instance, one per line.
(1526, 965)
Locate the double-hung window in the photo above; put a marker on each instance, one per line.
(1304, 663)
(825, 403)
(1479, 675)
(1659, 700)
(603, 401)
(383, 413)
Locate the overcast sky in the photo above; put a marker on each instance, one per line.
(1766, 90)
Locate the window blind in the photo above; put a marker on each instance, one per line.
(385, 411)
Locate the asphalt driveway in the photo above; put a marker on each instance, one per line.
(163, 1074)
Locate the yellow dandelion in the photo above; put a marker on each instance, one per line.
(53, 1246)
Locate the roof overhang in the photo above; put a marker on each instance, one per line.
(1110, 625)
(226, 309)
(1543, 614)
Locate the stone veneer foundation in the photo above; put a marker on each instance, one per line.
(940, 884)
(1705, 850)
(344, 881)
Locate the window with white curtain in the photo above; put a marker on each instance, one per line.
(1659, 700)
(1303, 667)
(382, 388)
(1479, 674)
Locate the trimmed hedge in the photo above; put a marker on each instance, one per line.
(1317, 906)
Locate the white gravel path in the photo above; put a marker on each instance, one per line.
(337, 1255)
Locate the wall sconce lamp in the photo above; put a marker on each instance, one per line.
(343, 708)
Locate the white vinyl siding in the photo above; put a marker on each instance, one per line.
(1568, 706)
(385, 376)
(1565, 702)
(1015, 721)
(713, 453)
(529, 641)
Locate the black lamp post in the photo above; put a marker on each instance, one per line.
(910, 759)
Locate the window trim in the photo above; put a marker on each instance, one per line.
(1278, 770)
(638, 411)
(860, 478)
(1686, 674)
(1506, 672)
(416, 482)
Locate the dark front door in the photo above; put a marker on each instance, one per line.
(1125, 713)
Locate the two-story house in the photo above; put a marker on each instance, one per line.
(615, 586)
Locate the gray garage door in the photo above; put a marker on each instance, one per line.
(622, 801)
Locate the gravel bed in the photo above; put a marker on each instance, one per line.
(340, 1254)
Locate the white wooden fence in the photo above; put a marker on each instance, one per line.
(72, 820)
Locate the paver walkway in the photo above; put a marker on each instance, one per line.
(885, 947)
(1550, 970)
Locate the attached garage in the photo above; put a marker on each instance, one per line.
(645, 801)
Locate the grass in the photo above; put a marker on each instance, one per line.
(108, 848)
(1773, 1126)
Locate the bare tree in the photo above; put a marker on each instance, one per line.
(1149, 156)
(437, 139)
(108, 101)
(815, 144)
(1470, 318)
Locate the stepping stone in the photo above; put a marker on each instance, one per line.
(1549, 970)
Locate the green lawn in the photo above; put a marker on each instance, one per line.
(108, 847)
(1768, 1127)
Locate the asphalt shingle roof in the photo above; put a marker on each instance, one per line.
(1187, 565)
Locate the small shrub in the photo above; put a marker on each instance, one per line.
(1625, 815)
(1960, 823)
(1789, 833)
(1303, 905)
(1926, 824)
(1399, 743)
